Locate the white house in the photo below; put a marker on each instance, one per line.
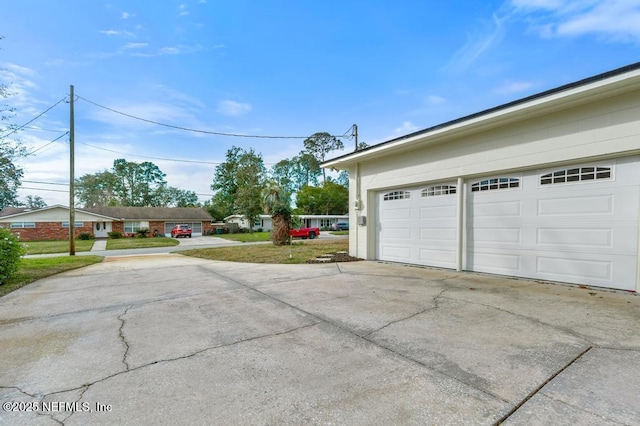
(308, 220)
(546, 187)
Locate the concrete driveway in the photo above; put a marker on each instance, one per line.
(168, 339)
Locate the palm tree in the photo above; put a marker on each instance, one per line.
(275, 203)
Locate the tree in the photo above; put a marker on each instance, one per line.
(277, 205)
(330, 198)
(10, 151)
(131, 184)
(306, 170)
(35, 202)
(238, 183)
(137, 184)
(225, 183)
(319, 145)
(282, 175)
(98, 189)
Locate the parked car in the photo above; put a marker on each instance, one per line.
(304, 233)
(340, 226)
(181, 231)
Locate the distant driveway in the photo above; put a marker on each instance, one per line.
(169, 339)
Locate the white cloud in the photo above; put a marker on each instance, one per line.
(407, 127)
(135, 45)
(114, 33)
(477, 43)
(127, 15)
(435, 100)
(233, 108)
(611, 20)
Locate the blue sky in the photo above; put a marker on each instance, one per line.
(281, 68)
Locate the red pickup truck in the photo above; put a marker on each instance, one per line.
(304, 233)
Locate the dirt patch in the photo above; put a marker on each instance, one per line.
(339, 256)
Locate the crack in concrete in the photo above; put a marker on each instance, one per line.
(434, 305)
(560, 401)
(18, 389)
(545, 383)
(77, 400)
(123, 338)
(85, 387)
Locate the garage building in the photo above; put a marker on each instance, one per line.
(546, 187)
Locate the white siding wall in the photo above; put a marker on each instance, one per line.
(606, 129)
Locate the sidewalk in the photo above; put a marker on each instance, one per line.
(99, 245)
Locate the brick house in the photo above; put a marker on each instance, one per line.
(52, 223)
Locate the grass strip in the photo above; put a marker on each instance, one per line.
(32, 269)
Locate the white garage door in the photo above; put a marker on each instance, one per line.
(418, 225)
(575, 224)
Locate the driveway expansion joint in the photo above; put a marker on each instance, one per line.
(545, 383)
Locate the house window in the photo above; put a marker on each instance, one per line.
(131, 227)
(496, 183)
(325, 223)
(436, 190)
(23, 224)
(576, 174)
(75, 224)
(397, 195)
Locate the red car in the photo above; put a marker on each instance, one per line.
(181, 231)
(303, 233)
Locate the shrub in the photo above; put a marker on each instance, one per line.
(10, 252)
(115, 235)
(142, 232)
(86, 236)
(259, 230)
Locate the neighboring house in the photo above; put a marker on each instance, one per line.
(546, 187)
(52, 223)
(308, 220)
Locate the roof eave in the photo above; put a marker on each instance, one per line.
(583, 91)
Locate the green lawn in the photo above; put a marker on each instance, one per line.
(135, 243)
(47, 247)
(298, 252)
(339, 232)
(246, 238)
(32, 269)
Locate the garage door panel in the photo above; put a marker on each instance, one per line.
(443, 258)
(575, 268)
(496, 262)
(437, 212)
(396, 214)
(396, 234)
(576, 206)
(437, 235)
(496, 236)
(497, 209)
(395, 253)
(576, 237)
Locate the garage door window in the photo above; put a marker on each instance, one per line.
(576, 174)
(397, 195)
(497, 183)
(436, 190)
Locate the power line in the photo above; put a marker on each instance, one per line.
(152, 158)
(43, 189)
(33, 119)
(44, 146)
(45, 183)
(208, 132)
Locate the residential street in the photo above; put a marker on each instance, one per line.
(168, 339)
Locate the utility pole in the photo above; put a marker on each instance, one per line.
(355, 133)
(72, 195)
